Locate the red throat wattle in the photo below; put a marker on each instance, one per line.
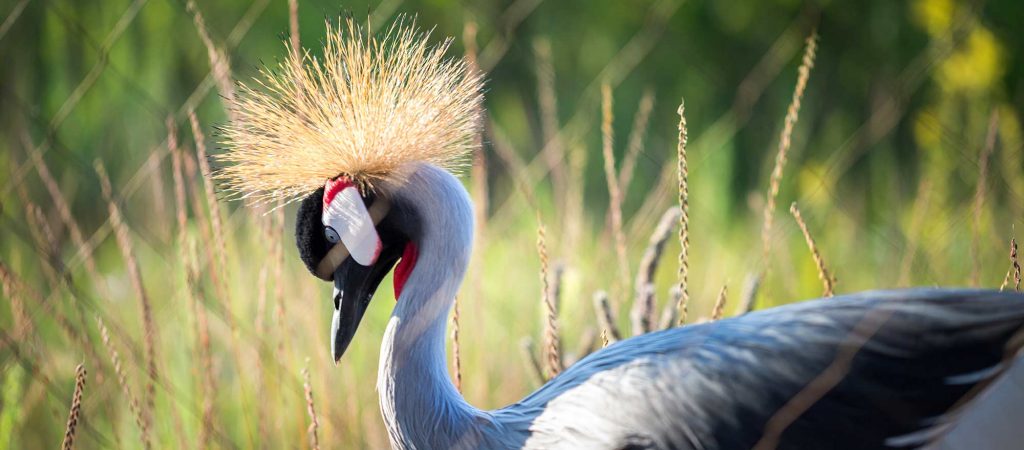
(404, 267)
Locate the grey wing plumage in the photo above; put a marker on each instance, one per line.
(873, 370)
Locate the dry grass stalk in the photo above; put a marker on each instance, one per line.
(643, 303)
(826, 280)
(1016, 264)
(529, 353)
(456, 350)
(44, 243)
(547, 100)
(750, 287)
(261, 314)
(294, 42)
(278, 263)
(197, 202)
(785, 139)
(261, 296)
(194, 291)
(187, 254)
(124, 241)
(58, 275)
(979, 195)
(670, 310)
(156, 181)
(684, 217)
(614, 194)
(1006, 279)
(635, 144)
(61, 203)
(293, 25)
(50, 238)
(314, 422)
(555, 281)
(16, 289)
(478, 172)
(605, 316)
(22, 321)
(642, 311)
(604, 338)
(481, 199)
(574, 199)
(211, 202)
(469, 30)
(552, 343)
(76, 409)
(719, 309)
(219, 62)
(203, 226)
(922, 203)
(41, 244)
(122, 380)
(180, 205)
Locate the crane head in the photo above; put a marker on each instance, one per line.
(353, 240)
(348, 126)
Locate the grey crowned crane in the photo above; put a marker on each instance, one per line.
(367, 136)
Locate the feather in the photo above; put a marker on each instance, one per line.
(369, 109)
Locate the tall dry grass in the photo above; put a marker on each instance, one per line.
(979, 196)
(614, 191)
(785, 141)
(23, 326)
(635, 146)
(124, 242)
(228, 369)
(456, 347)
(719, 310)
(314, 420)
(1016, 265)
(122, 380)
(643, 310)
(827, 280)
(60, 203)
(684, 218)
(552, 340)
(74, 415)
(220, 247)
(219, 60)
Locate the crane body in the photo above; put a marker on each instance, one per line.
(915, 361)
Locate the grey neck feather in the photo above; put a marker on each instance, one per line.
(420, 405)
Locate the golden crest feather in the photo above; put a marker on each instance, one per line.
(371, 107)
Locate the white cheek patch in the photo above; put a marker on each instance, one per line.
(347, 216)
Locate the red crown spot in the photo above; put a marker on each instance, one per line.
(333, 187)
(405, 266)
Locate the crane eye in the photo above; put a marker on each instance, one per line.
(346, 221)
(331, 235)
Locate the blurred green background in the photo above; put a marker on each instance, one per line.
(885, 164)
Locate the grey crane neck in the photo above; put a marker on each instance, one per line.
(420, 405)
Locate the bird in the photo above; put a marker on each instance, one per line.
(369, 140)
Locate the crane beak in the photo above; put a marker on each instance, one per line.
(354, 286)
(343, 241)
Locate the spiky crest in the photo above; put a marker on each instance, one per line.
(372, 106)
